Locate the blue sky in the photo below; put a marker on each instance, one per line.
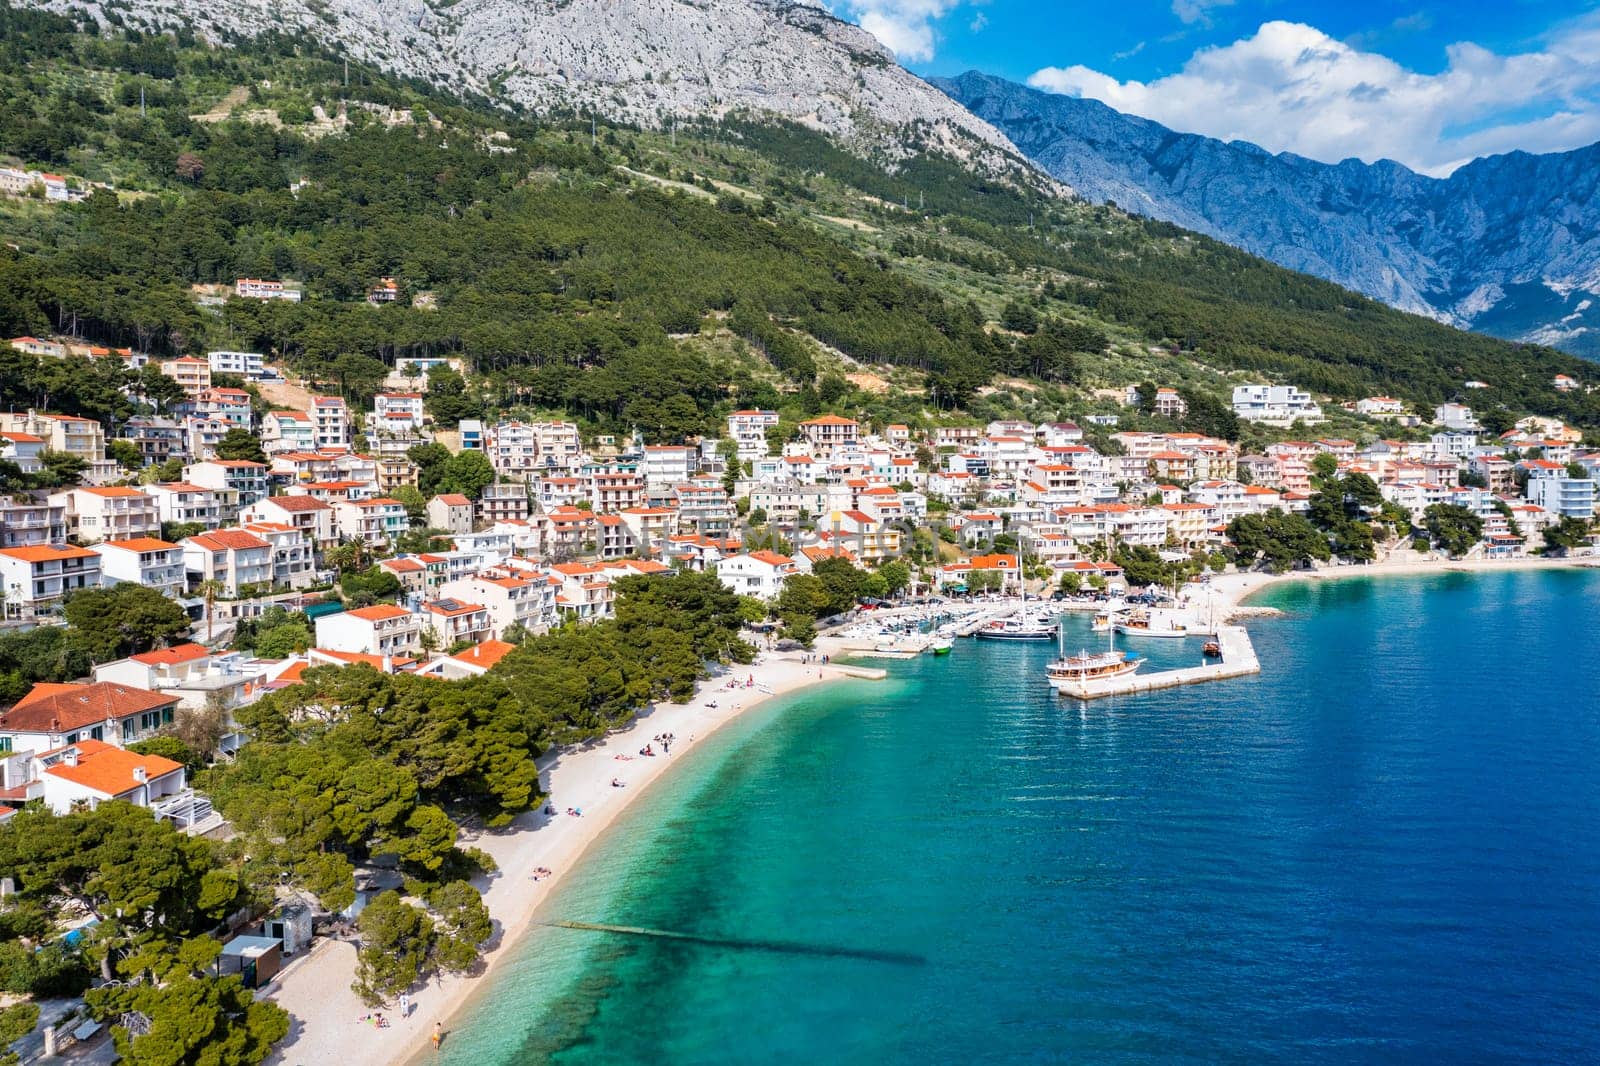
(1429, 84)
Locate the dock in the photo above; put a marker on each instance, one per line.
(1238, 660)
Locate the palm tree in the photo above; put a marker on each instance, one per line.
(211, 588)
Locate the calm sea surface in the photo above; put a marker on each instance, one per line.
(1385, 848)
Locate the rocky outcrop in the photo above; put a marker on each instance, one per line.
(636, 60)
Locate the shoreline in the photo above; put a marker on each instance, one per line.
(1229, 592)
(326, 1016)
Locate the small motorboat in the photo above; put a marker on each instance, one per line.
(1212, 650)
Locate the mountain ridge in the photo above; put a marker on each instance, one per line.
(638, 61)
(1508, 245)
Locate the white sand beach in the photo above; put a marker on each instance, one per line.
(1229, 592)
(327, 1025)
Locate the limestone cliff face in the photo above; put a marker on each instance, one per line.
(1509, 245)
(637, 60)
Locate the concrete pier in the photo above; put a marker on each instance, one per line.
(1238, 660)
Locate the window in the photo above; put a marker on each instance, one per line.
(129, 729)
(97, 733)
(166, 716)
(72, 738)
(5, 744)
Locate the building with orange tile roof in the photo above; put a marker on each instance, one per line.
(90, 772)
(50, 716)
(382, 629)
(36, 578)
(148, 561)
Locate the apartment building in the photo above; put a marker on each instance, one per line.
(186, 504)
(504, 503)
(202, 434)
(25, 522)
(1274, 403)
(236, 559)
(375, 522)
(244, 364)
(615, 490)
(830, 433)
(313, 518)
(666, 465)
(148, 561)
(158, 439)
(396, 412)
(36, 578)
(452, 621)
(294, 556)
(52, 716)
(330, 417)
(193, 375)
(382, 629)
(513, 450)
(112, 512)
(703, 508)
(749, 432)
(288, 431)
(240, 483)
(264, 289)
(759, 573)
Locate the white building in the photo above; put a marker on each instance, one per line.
(382, 629)
(181, 502)
(1380, 406)
(759, 573)
(1457, 417)
(396, 412)
(155, 564)
(521, 599)
(113, 512)
(90, 773)
(1274, 403)
(749, 431)
(288, 431)
(244, 364)
(36, 578)
(51, 716)
(330, 416)
(666, 465)
(231, 556)
(25, 522)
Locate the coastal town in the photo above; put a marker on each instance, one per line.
(295, 538)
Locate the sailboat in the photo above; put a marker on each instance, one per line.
(1020, 626)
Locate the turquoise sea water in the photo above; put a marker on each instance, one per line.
(1385, 848)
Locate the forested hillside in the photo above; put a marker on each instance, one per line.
(628, 277)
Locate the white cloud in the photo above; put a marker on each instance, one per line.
(1293, 88)
(980, 22)
(905, 27)
(1197, 10)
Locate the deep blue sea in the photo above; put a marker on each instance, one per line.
(1386, 848)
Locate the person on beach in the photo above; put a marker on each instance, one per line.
(438, 1035)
